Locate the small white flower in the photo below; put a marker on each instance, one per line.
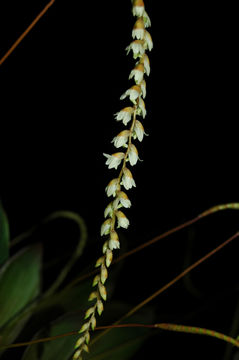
(108, 210)
(114, 160)
(112, 187)
(122, 220)
(147, 22)
(138, 48)
(137, 73)
(138, 7)
(127, 179)
(133, 155)
(139, 130)
(105, 227)
(143, 88)
(124, 115)
(124, 200)
(148, 40)
(145, 61)
(121, 139)
(138, 29)
(114, 241)
(141, 108)
(133, 93)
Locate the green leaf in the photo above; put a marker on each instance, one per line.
(19, 283)
(60, 349)
(4, 236)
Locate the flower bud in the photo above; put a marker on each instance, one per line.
(89, 312)
(103, 274)
(108, 257)
(102, 291)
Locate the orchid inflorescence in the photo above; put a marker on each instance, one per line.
(114, 216)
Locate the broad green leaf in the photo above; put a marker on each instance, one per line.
(19, 282)
(60, 349)
(4, 236)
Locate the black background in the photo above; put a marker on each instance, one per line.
(59, 91)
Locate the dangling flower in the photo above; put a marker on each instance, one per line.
(105, 227)
(112, 187)
(114, 160)
(133, 155)
(143, 88)
(138, 29)
(108, 210)
(137, 73)
(148, 40)
(124, 200)
(139, 130)
(133, 93)
(122, 219)
(145, 61)
(127, 179)
(138, 7)
(138, 48)
(114, 240)
(141, 108)
(124, 115)
(147, 22)
(121, 139)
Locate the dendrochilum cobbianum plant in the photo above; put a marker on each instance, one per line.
(115, 218)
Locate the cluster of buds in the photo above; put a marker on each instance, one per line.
(115, 217)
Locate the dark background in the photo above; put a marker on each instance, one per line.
(59, 91)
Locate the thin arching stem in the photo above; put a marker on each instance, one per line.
(28, 29)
